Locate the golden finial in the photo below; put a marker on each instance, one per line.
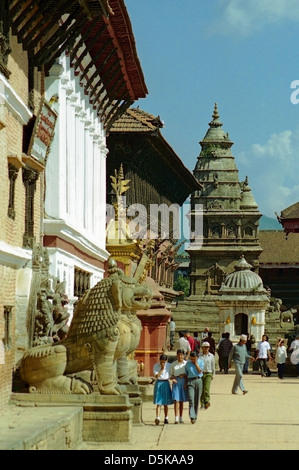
(119, 184)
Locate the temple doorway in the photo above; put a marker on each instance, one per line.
(241, 324)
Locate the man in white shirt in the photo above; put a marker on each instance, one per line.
(204, 333)
(263, 354)
(208, 374)
(183, 344)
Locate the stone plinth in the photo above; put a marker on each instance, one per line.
(105, 418)
(135, 399)
(146, 386)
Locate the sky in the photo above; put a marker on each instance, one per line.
(242, 55)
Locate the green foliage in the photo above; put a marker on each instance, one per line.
(182, 284)
(210, 150)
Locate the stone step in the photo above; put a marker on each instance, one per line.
(41, 428)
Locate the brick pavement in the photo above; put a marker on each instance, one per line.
(267, 418)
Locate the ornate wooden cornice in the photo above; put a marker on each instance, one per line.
(98, 36)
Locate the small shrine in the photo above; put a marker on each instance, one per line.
(242, 303)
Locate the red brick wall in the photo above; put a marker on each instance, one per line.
(7, 298)
(12, 231)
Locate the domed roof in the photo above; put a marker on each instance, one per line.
(243, 279)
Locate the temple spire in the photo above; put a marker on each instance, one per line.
(216, 122)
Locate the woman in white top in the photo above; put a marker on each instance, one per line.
(280, 357)
(179, 392)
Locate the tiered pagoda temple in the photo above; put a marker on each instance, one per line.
(230, 219)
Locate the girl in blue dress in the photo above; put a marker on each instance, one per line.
(162, 391)
(179, 392)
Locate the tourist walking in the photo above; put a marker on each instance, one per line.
(280, 357)
(197, 343)
(194, 371)
(208, 374)
(224, 351)
(248, 347)
(238, 355)
(204, 333)
(190, 340)
(294, 349)
(183, 344)
(211, 342)
(162, 390)
(263, 351)
(220, 362)
(171, 333)
(179, 391)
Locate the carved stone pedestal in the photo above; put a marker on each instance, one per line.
(135, 399)
(105, 418)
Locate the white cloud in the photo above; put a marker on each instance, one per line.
(272, 168)
(245, 17)
(279, 146)
(285, 197)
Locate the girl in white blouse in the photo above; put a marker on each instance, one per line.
(179, 392)
(162, 391)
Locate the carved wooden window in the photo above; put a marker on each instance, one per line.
(12, 174)
(7, 340)
(82, 282)
(30, 177)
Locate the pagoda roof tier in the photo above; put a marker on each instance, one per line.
(217, 171)
(147, 149)
(291, 212)
(279, 251)
(289, 218)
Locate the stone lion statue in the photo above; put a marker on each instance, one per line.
(104, 332)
